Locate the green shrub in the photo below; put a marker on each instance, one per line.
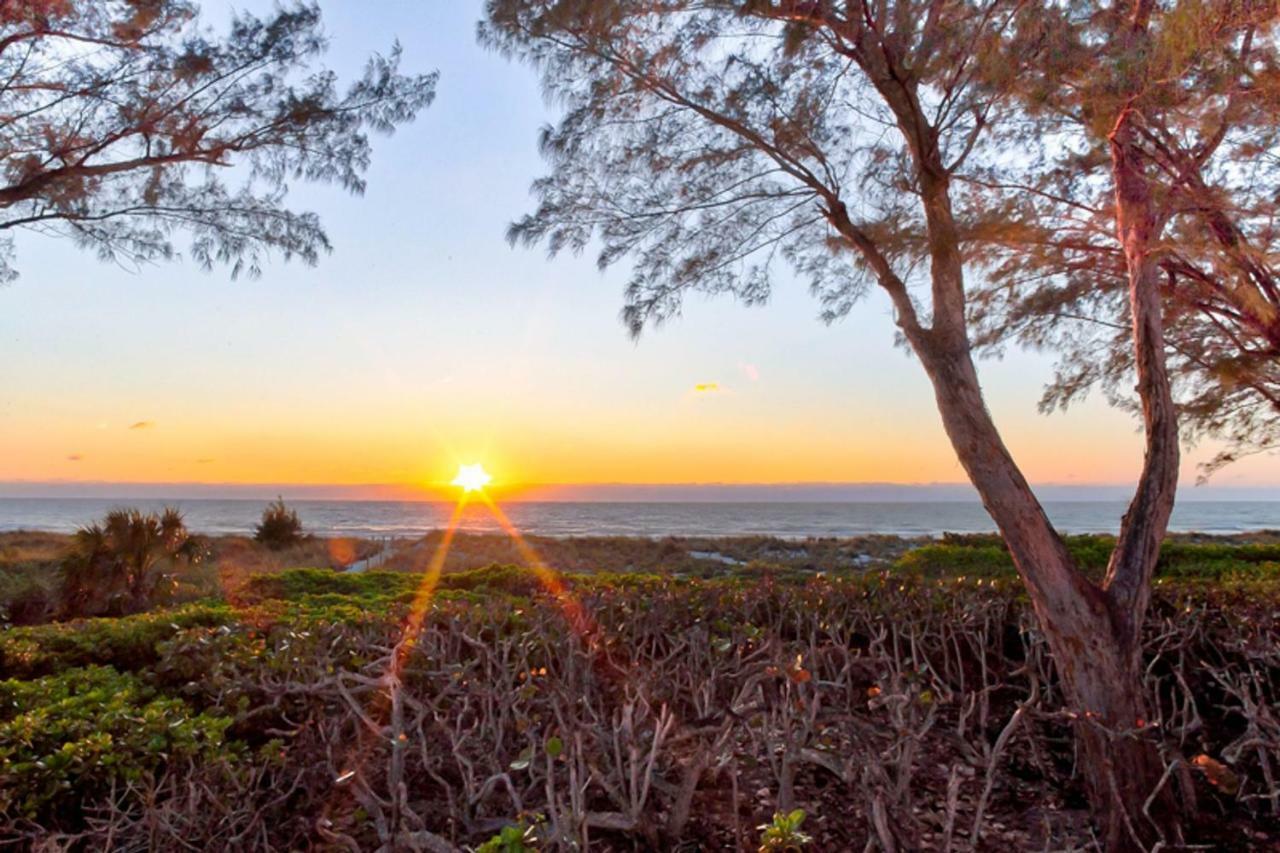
(942, 560)
(517, 838)
(127, 643)
(783, 834)
(1091, 552)
(296, 584)
(306, 584)
(1178, 552)
(513, 580)
(978, 556)
(280, 527)
(66, 738)
(1220, 569)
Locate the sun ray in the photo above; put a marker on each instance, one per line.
(430, 578)
(357, 752)
(547, 576)
(579, 620)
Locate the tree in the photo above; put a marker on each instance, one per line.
(280, 526)
(111, 567)
(124, 122)
(881, 144)
(1199, 94)
(1149, 221)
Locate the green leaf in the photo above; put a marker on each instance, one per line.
(523, 762)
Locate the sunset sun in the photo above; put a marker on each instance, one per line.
(471, 478)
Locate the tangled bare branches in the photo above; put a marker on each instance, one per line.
(899, 717)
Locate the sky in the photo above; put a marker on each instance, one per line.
(424, 341)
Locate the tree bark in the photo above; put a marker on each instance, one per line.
(1094, 632)
(1138, 547)
(1096, 646)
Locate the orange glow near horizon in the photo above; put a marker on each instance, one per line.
(407, 456)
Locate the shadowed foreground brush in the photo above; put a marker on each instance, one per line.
(893, 712)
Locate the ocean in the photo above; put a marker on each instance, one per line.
(652, 519)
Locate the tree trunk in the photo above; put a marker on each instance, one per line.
(1124, 772)
(1094, 632)
(1137, 550)
(1096, 648)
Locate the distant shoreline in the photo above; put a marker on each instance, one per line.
(650, 520)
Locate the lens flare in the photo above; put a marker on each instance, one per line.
(379, 714)
(472, 478)
(579, 619)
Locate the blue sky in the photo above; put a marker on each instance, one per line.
(424, 340)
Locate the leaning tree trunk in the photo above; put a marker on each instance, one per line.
(1093, 632)
(1095, 643)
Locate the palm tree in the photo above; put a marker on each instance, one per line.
(88, 572)
(114, 561)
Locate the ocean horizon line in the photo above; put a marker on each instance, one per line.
(613, 492)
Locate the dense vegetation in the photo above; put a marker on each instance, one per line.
(118, 566)
(33, 587)
(280, 526)
(909, 706)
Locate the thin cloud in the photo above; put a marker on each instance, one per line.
(750, 371)
(143, 425)
(74, 457)
(203, 461)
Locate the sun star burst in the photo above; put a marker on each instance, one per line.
(472, 478)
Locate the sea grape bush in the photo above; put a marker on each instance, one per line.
(127, 644)
(783, 833)
(918, 711)
(79, 734)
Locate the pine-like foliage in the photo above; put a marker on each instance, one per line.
(129, 120)
(280, 526)
(1202, 86)
(712, 145)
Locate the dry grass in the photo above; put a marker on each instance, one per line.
(30, 546)
(672, 554)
